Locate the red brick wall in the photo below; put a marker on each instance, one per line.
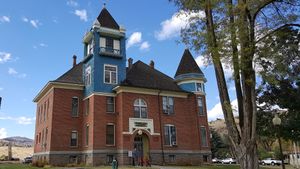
(45, 104)
(63, 123)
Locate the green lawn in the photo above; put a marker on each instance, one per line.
(21, 166)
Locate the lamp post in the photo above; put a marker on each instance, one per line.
(277, 122)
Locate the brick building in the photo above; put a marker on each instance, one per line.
(101, 109)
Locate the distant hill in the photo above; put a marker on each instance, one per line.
(17, 141)
(219, 126)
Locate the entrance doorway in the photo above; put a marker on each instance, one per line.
(141, 148)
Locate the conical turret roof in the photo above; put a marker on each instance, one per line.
(106, 20)
(187, 64)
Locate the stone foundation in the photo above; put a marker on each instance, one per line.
(102, 158)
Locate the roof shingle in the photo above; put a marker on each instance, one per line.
(74, 75)
(106, 20)
(142, 75)
(187, 64)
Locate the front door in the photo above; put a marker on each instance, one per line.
(141, 148)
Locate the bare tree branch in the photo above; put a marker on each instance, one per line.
(260, 6)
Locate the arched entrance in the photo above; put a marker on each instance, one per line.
(141, 148)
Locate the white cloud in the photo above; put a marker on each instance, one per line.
(3, 133)
(24, 120)
(82, 14)
(200, 60)
(12, 71)
(145, 46)
(4, 57)
(135, 38)
(20, 120)
(171, 27)
(34, 22)
(43, 45)
(72, 3)
(217, 112)
(4, 19)
(24, 19)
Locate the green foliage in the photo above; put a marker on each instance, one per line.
(219, 147)
(262, 153)
(279, 58)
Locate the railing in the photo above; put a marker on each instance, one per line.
(110, 51)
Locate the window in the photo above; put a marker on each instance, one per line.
(88, 76)
(203, 137)
(74, 136)
(46, 137)
(200, 87)
(36, 139)
(168, 105)
(73, 159)
(75, 107)
(110, 134)
(200, 106)
(87, 135)
(110, 45)
(87, 106)
(140, 108)
(110, 104)
(172, 158)
(90, 48)
(110, 74)
(170, 135)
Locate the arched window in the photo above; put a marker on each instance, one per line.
(140, 108)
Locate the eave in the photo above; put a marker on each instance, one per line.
(52, 84)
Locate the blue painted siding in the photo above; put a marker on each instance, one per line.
(97, 63)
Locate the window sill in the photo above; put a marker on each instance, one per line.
(107, 112)
(172, 146)
(74, 146)
(115, 55)
(110, 145)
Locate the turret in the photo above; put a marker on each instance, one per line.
(104, 54)
(189, 76)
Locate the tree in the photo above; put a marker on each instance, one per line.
(219, 147)
(229, 32)
(281, 79)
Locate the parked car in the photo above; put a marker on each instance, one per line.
(216, 160)
(270, 161)
(27, 160)
(228, 161)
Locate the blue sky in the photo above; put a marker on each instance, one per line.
(39, 37)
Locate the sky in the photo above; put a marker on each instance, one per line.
(39, 37)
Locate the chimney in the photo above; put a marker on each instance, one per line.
(151, 64)
(74, 60)
(130, 60)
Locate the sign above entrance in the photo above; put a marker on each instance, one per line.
(145, 125)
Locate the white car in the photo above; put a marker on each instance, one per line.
(270, 161)
(228, 161)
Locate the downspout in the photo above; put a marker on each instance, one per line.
(161, 130)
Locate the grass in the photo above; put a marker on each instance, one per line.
(22, 166)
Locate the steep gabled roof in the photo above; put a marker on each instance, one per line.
(106, 20)
(187, 64)
(142, 75)
(74, 75)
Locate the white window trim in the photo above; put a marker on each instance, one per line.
(202, 101)
(170, 125)
(74, 131)
(168, 97)
(112, 124)
(140, 106)
(202, 87)
(88, 70)
(205, 137)
(110, 76)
